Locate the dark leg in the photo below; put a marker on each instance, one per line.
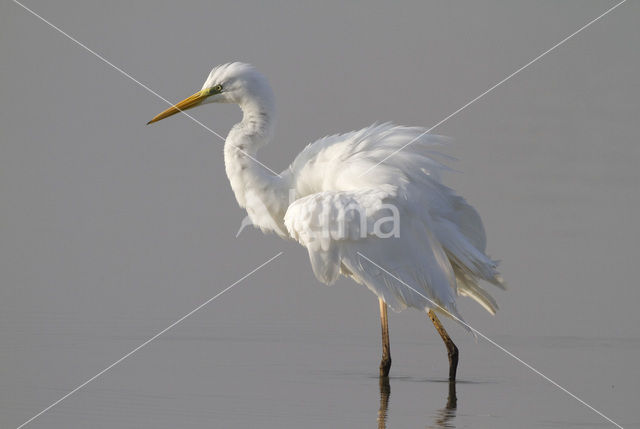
(452, 350)
(452, 398)
(385, 364)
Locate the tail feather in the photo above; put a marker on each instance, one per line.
(467, 286)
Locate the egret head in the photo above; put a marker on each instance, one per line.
(237, 83)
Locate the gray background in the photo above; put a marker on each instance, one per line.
(111, 230)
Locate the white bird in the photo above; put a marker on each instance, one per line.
(362, 207)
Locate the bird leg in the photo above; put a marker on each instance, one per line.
(452, 350)
(385, 364)
(452, 398)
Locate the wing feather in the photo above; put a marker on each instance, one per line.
(339, 231)
(441, 247)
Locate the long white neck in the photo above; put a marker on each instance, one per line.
(263, 194)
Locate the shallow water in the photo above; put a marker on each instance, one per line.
(208, 373)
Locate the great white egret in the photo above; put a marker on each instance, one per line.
(362, 207)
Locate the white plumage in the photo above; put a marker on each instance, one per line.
(330, 200)
(440, 248)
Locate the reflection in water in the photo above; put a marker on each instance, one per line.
(385, 392)
(444, 416)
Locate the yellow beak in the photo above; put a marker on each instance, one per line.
(185, 104)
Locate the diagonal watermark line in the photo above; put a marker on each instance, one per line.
(106, 61)
(149, 340)
(497, 85)
(496, 345)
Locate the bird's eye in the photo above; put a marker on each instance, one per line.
(217, 88)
